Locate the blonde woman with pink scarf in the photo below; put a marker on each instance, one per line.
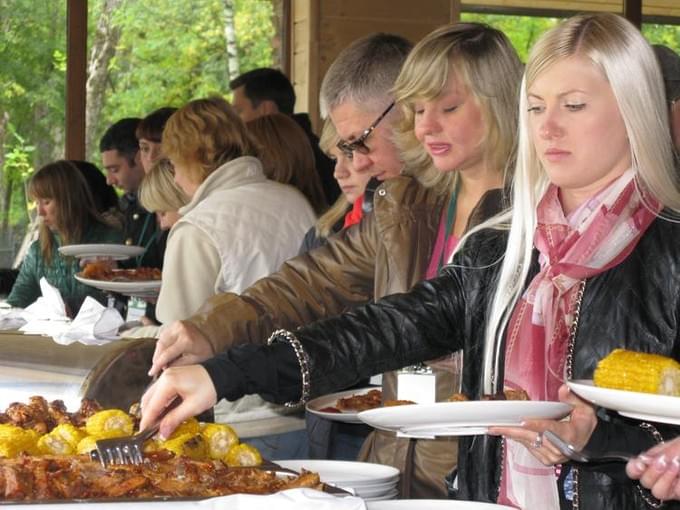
(587, 261)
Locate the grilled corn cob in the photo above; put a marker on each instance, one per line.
(86, 445)
(190, 426)
(637, 371)
(243, 455)
(63, 440)
(109, 423)
(189, 445)
(15, 440)
(219, 438)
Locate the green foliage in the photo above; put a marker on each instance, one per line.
(169, 54)
(521, 30)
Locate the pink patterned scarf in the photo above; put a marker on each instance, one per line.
(597, 236)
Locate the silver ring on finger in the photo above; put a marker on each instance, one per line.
(538, 442)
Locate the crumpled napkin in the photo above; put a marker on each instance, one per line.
(47, 314)
(94, 325)
(10, 317)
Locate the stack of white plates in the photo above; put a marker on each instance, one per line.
(372, 482)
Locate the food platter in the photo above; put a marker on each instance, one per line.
(632, 404)
(321, 406)
(112, 251)
(460, 418)
(143, 288)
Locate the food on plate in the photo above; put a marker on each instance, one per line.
(161, 475)
(62, 440)
(393, 403)
(362, 402)
(638, 371)
(110, 423)
(220, 439)
(243, 455)
(31, 431)
(104, 272)
(507, 394)
(42, 416)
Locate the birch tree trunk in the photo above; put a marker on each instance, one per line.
(230, 40)
(6, 196)
(103, 50)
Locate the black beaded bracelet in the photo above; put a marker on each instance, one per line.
(281, 335)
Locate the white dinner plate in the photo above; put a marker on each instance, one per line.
(314, 406)
(145, 288)
(346, 473)
(444, 418)
(391, 495)
(112, 251)
(633, 404)
(433, 504)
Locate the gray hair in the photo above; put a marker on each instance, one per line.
(364, 72)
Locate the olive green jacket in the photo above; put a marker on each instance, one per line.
(59, 273)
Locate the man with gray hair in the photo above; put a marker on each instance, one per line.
(386, 253)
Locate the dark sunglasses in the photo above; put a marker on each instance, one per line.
(359, 145)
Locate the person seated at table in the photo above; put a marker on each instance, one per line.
(352, 184)
(160, 193)
(68, 216)
(586, 261)
(149, 133)
(238, 227)
(287, 157)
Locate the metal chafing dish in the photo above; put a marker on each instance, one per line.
(114, 374)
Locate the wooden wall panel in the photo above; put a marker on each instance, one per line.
(339, 22)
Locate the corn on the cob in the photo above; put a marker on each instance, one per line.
(190, 426)
(63, 440)
(219, 438)
(86, 445)
(189, 445)
(109, 423)
(637, 371)
(15, 440)
(243, 455)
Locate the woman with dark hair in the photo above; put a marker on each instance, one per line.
(150, 133)
(68, 216)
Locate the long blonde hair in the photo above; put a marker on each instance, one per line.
(628, 63)
(486, 63)
(324, 226)
(158, 191)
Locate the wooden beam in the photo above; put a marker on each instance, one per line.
(455, 10)
(76, 77)
(286, 28)
(632, 10)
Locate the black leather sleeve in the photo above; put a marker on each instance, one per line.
(397, 331)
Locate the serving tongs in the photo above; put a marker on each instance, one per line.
(128, 449)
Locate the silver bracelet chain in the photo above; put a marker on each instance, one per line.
(281, 335)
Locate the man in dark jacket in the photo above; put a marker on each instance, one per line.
(265, 91)
(121, 160)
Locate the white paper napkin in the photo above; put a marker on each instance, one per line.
(294, 499)
(47, 315)
(94, 325)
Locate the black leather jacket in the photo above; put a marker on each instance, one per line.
(633, 305)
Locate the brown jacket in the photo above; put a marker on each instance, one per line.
(386, 253)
